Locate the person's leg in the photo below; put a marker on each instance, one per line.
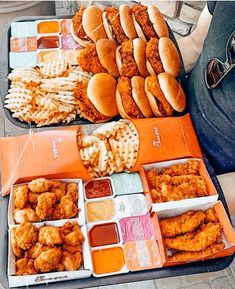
(227, 182)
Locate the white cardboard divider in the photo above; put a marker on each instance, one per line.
(158, 207)
(81, 213)
(84, 272)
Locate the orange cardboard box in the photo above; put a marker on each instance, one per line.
(228, 232)
(212, 193)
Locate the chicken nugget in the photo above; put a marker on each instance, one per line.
(186, 222)
(60, 267)
(68, 208)
(49, 235)
(18, 252)
(72, 191)
(190, 256)
(191, 167)
(40, 185)
(26, 235)
(70, 261)
(72, 249)
(71, 234)
(33, 198)
(25, 266)
(36, 250)
(21, 196)
(205, 236)
(48, 261)
(25, 215)
(45, 205)
(58, 188)
(56, 213)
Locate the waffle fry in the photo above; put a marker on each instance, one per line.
(57, 84)
(55, 68)
(25, 75)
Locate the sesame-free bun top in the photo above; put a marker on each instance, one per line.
(106, 50)
(101, 92)
(169, 56)
(139, 95)
(172, 91)
(139, 47)
(81, 42)
(92, 23)
(126, 21)
(158, 21)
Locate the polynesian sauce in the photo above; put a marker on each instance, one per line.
(104, 234)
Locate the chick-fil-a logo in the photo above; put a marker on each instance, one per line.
(55, 148)
(157, 141)
(44, 278)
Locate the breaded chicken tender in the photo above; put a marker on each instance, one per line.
(45, 205)
(21, 196)
(190, 256)
(48, 261)
(72, 191)
(25, 266)
(58, 188)
(36, 250)
(184, 223)
(26, 235)
(49, 235)
(68, 208)
(211, 216)
(191, 167)
(40, 185)
(72, 249)
(18, 252)
(70, 261)
(71, 234)
(25, 215)
(204, 237)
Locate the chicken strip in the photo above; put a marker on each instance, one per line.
(71, 234)
(36, 250)
(25, 215)
(48, 261)
(40, 185)
(70, 261)
(211, 216)
(21, 196)
(72, 191)
(184, 223)
(191, 167)
(25, 266)
(151, 176)
(18, 252)
(58, 188)
(68, 208)
(190, 256)
(49, 235)
(207, 235)
(26, 235)
(45, 205)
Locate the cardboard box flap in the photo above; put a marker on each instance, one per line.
(163, 139)
(52, 152)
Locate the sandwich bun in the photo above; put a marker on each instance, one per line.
(119, 58)
(139, 47)
(101, 92)
(139, 95)
(106, 51)
(126, 21)
(173, 91)
(138, 29)
(107, 27)
(158, 22)
(92, 23)
(80, 41)
(169, 56)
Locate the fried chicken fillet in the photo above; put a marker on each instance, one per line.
(128, 103)
(86, 107)
(129, 67)
(112, 15)
(205, 236)
(189, 256)
(77, 24)
(184, 223)
(89, 61)
(142, 18)
(152, 55)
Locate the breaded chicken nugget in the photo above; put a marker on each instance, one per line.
(39, 185)
(68, 208)
(21, 196)
(211, 216)
(70, 261)
(48, 261)
(49, 235)
(72, 249)
(18, 252)
(25, 266)
(45, 205)
(71, 234)
(58, 188)
(26, 235)
(36, 250)
(72, 191)
(25, 215)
